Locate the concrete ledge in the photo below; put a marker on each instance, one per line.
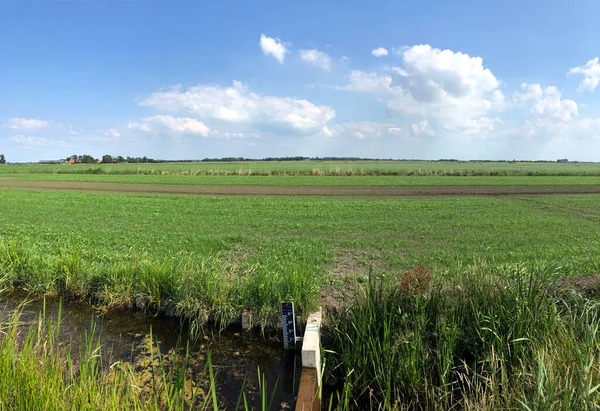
(308, 393)
(311, 345)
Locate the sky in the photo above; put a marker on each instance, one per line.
(461, 79)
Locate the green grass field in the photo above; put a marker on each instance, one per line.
(371, 181)
(269, 239)
(471, 331)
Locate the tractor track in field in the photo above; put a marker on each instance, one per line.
(304, 191)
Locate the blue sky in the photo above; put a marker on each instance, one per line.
(389, 79)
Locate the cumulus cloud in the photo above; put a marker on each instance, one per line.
(379, 52)
(316, 58)
(180, 125)
(547, 102)
(273, 47)
(591, 73)
(450, 90)
(17, 123)
(237, 104)
(432, 75)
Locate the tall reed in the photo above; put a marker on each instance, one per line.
(511, 340)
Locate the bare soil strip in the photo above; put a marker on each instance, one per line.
(291, 191)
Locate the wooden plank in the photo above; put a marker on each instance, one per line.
(308, 393)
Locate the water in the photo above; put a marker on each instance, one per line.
(125, 336)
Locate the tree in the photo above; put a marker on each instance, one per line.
(107, 158)
(2, 159)
(87, 159)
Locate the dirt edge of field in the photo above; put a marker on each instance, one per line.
(304, 191)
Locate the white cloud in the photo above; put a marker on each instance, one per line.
(111, 132)
(233, 136)
(498, 100)
(549, 129)
(547, 102)
(27, 140)
(238, 104)
(368, 82)
(480, 126)
(17, 123)
(31, 142)
(379, 52)
(162, 123)
(591, 73)
(146, 127)
(450, 90)
(360, 129)
(419, 128)
(432, 75)
(316, 58)
(273, 47)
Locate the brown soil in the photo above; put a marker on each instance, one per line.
(320, 191)
(588, 284)
(346, 266)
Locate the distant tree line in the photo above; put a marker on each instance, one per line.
(2, 159)
(107, 158)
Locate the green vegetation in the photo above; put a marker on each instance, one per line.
(219, 255)
(491, 339)
(324, 168)
(279, 180)
(38, 371)
(486, 321)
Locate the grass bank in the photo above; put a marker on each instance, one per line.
(198, 290)
(510, 338)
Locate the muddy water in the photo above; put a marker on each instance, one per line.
(126, 334)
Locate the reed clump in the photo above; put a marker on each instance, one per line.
(511, 339)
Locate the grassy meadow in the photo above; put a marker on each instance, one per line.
(467, 302)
